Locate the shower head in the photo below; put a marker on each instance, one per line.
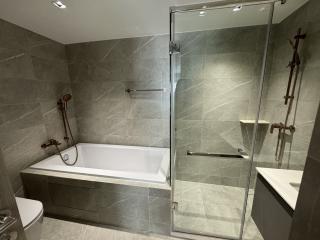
(66, 97)
(63, 101)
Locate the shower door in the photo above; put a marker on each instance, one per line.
(217, 67)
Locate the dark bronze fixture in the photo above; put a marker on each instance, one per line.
(294, 65)
(51, 142)
(63, 105)
(281, 126)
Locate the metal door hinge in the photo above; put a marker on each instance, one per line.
(174, 205)
(174, 47)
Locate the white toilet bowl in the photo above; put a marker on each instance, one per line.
(31, 213)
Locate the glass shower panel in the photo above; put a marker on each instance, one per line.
(216, 98)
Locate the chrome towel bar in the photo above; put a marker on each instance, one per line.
(129, 90)
(221, 155)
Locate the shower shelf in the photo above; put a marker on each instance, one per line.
(254, 121)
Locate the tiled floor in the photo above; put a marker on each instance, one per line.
(202, 208)
(212, 210)
(54, 229)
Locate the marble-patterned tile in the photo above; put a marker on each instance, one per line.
(230, 65)
(19, 66)
(156, 47)
(19, 116)
(242, 39)
(145, 109)
(192, 67)
(192, 43)
(21, 149)
(217, 211)
(230, 110)
(10, 54)
(58, 229)
(51, 71)
(48, 49)
(90, 52)
(146, 127)
(81, 198)
(12, 36)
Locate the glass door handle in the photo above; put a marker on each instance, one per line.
(221, 155)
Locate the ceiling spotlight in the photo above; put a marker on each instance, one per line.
(59, 4)
(202, 13)
(237, 8)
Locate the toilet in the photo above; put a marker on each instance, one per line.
(31, 213)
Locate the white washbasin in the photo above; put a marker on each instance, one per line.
(285, 182)
(296, 186)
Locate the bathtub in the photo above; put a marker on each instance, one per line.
(114, 186)
(116, 161)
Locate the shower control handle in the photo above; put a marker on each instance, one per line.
(51, 142)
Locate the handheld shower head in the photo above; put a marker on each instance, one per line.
(66, 97)
(63, 101)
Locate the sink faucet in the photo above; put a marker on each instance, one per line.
(51, 142)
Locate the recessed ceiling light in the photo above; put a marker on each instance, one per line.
(202, 13)
(237, 8)
(59, 4)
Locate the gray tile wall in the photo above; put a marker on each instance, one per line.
(102, 71)
(33, 75)
(308, 92)
(219, 77)
(306, 218)
(135, 208)
(218, 87)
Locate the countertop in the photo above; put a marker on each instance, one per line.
(285, 182)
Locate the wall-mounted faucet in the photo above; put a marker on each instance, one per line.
(294, 65)
(281, 126)
(51, 142)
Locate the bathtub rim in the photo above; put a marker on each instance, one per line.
(165, 165)
(100, 179)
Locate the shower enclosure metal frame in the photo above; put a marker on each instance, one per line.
(175, 62)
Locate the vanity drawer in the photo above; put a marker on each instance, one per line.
(272, 215)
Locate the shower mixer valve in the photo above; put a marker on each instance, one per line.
(281, 126)
(51, 142)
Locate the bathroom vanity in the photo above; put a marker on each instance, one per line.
(274, 201)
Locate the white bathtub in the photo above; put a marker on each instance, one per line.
(128, 162)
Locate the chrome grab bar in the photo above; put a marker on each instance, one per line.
(129, 90)
(6, 221)
(221, 155)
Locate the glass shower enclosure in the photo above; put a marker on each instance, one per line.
(218, 63)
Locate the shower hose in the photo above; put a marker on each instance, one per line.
(65, 118)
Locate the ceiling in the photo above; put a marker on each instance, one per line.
(251, 15)
(93, 20)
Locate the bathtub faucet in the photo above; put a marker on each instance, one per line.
(51, 142)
